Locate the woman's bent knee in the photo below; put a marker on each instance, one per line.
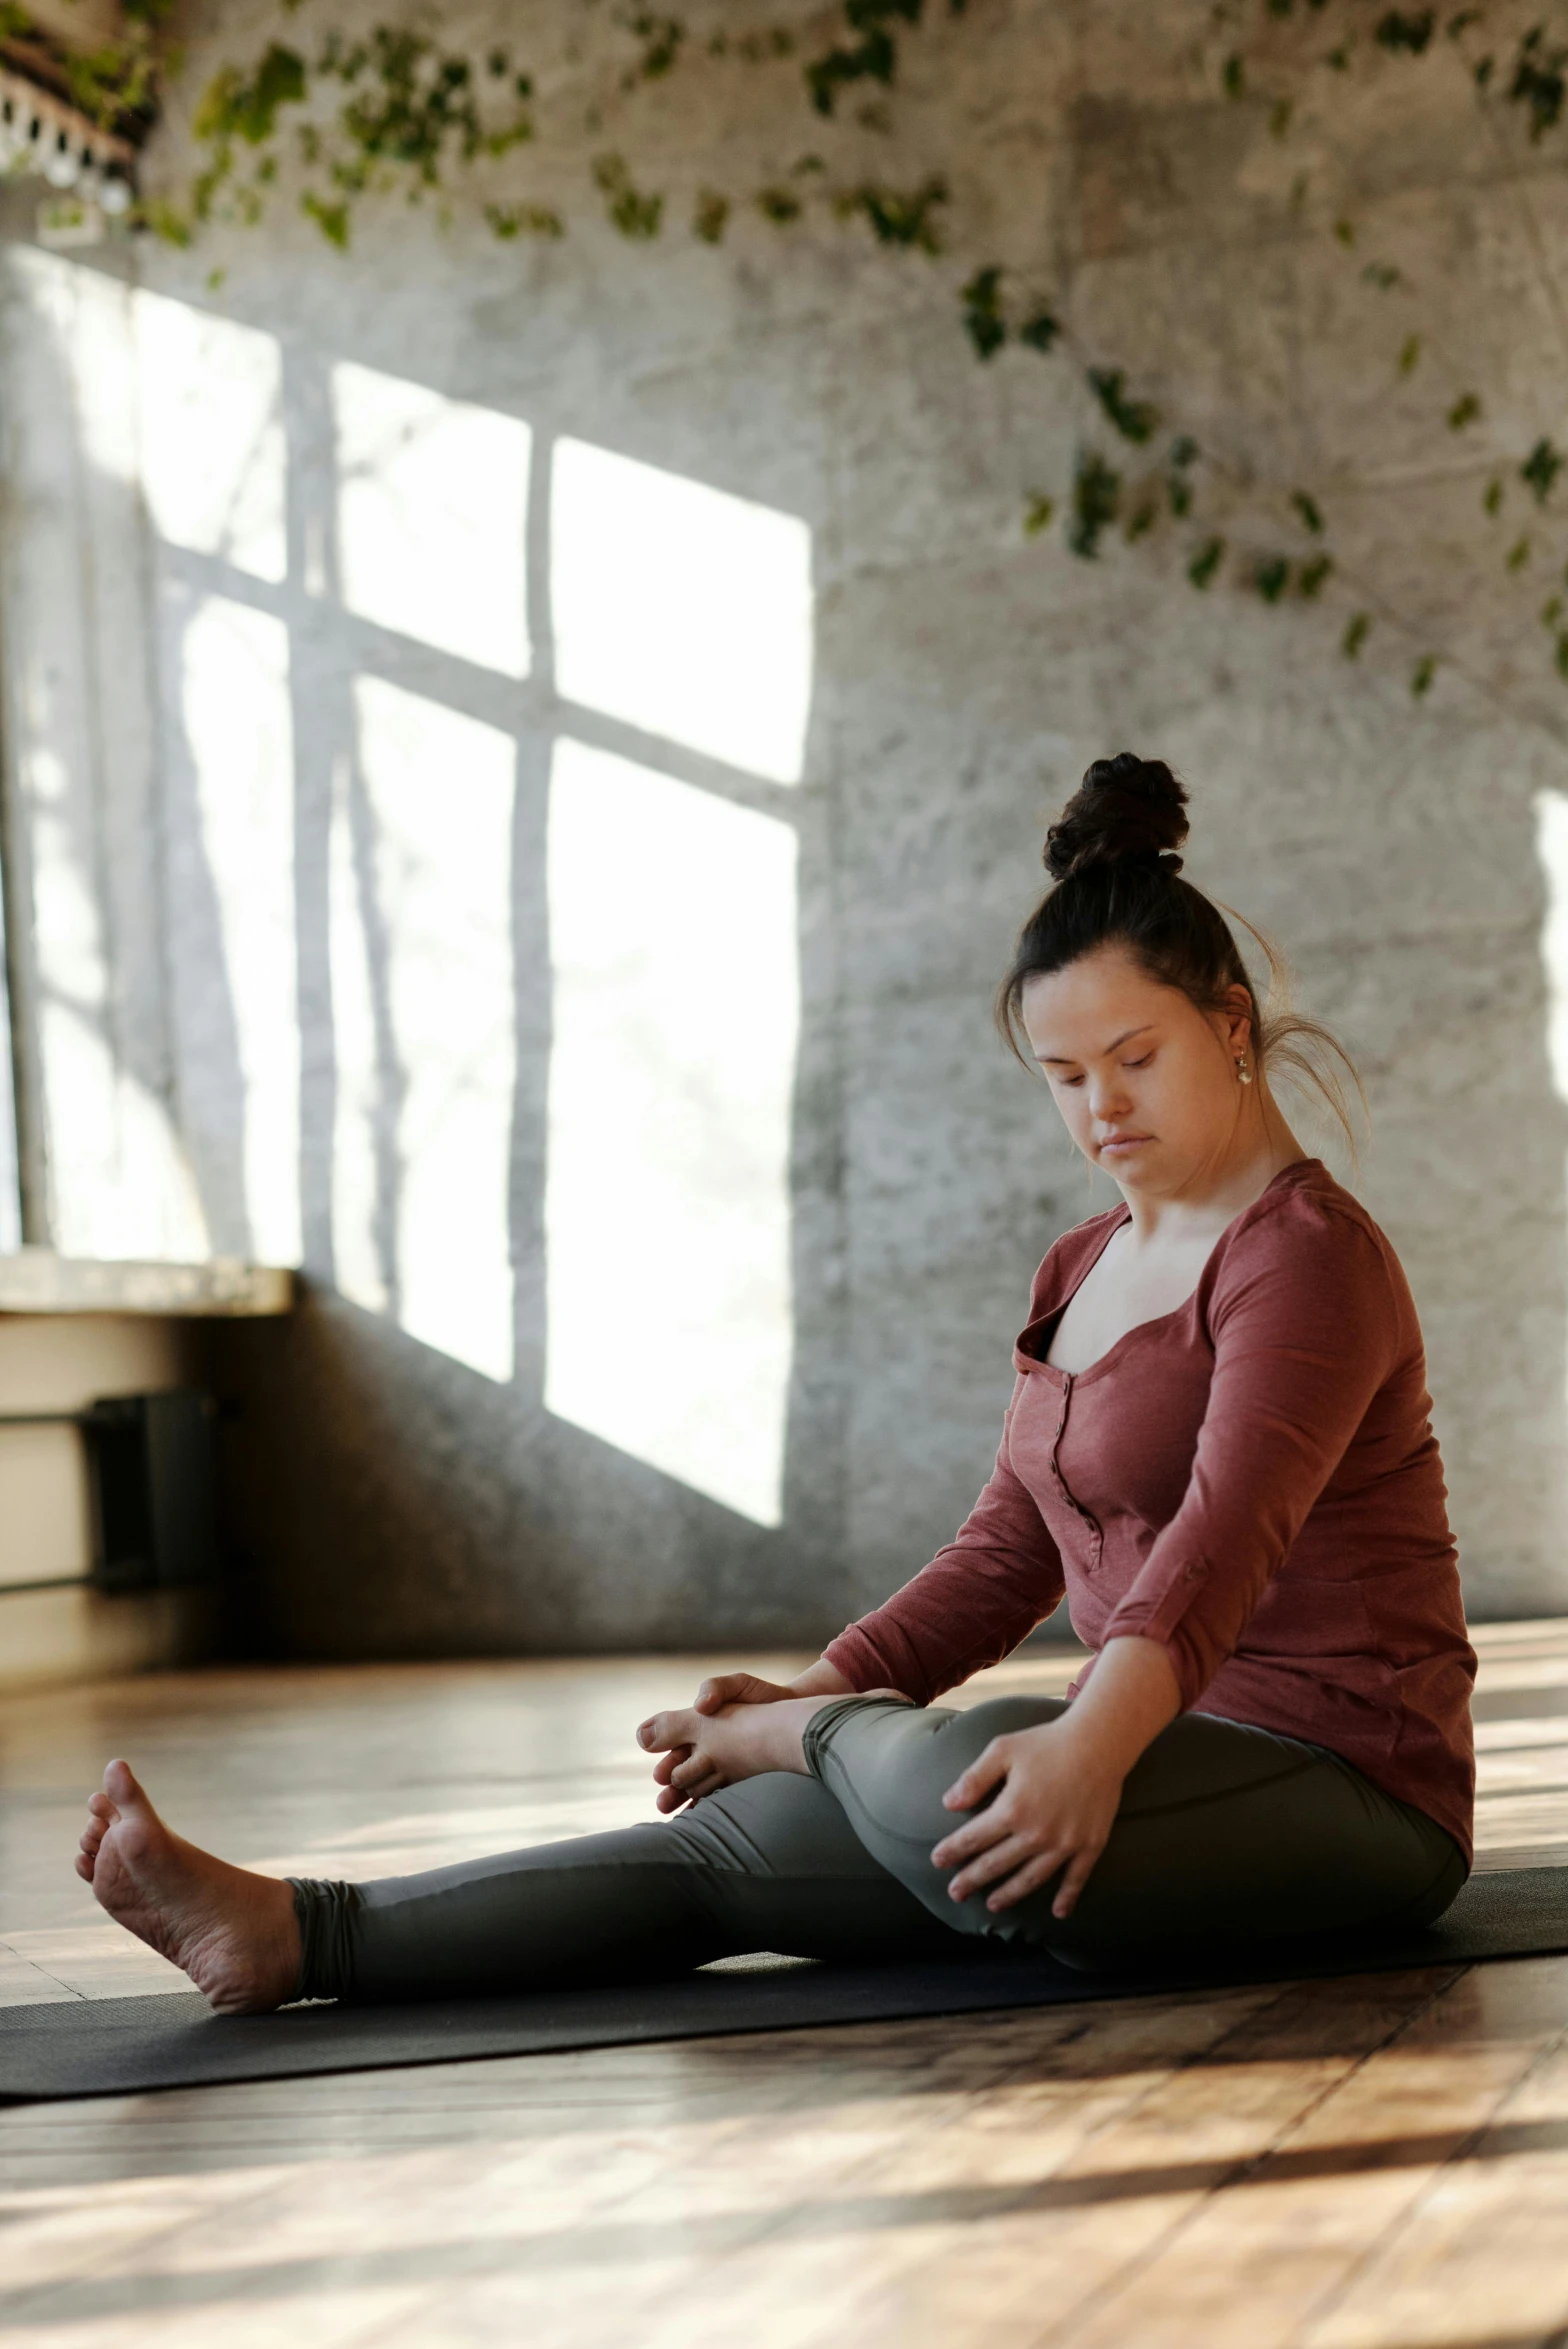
(890, 1765)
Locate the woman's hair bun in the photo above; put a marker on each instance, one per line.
(1124, 807)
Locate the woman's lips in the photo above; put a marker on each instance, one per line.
(1120, 1142)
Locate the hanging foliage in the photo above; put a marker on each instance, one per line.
(330, 122)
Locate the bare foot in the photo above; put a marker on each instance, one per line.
(233, 1932)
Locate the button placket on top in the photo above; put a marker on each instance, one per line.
(1096, 1537)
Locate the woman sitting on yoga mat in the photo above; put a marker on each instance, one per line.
(1217, 1445)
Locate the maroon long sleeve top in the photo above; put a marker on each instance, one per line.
(1252, 1481)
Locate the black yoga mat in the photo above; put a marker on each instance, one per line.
(117, 2046)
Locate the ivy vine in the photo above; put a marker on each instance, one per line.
(332, 123)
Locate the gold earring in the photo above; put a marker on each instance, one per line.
(1243, 1072)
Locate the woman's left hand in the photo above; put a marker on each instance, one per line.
(1052, 1815)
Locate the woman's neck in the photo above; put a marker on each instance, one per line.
(1261, 1148)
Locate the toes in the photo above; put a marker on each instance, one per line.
(119, 1784)
(84, 1866)
(102, 1809)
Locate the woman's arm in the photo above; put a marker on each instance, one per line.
(1307, 1324)
(999, 1576)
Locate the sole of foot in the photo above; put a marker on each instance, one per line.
(233, 1932)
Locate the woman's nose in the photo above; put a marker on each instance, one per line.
(1107, 1096)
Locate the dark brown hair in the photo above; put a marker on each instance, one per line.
(1113, 856)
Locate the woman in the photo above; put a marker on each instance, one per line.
(1218, 1445)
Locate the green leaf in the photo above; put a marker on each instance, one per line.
(1184, 451)
(1271, 577)
(1519, 554)
(1206, 562)
(1492, 501)
(1421, 676)
(1465, 410)
(1382, 274)
(331, 219)
(661, 37)
(1135, 420)
(633, 215)
(780, 205)
(1538, 84)
(1540, 470)
(1410, 354)
(1345, 231)
(1357, 630)
(873, 57)
(1551, 611)
(1097, 493)
(1280, 115)
(1310, 578)
(984, 321)
(897, 217)
(1233, 77)
(1410, 33)
(1038, 514)
(1562, 654)
(1141, 521)
(1309, 510)
(234, 106)
(710, 216)
(510, 221)
(1040, 330)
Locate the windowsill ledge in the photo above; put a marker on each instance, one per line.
(36, 1280)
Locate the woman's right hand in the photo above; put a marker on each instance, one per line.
(685, 1773)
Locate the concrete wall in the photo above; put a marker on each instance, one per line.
(234, 1013)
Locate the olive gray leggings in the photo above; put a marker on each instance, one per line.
(1227, 1838)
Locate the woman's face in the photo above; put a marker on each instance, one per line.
(1146, 1082)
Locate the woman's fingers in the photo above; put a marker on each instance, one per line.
(1079, 1870)
(1027, 1879)
(981, 1775)
(975, 1835)
(1002, 1858)
(676, 1798)
(738, 1688)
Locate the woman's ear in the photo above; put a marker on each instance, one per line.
(1237, 1014)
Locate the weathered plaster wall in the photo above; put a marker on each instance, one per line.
(395, 1501)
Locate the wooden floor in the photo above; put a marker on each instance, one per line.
(1371, 2164)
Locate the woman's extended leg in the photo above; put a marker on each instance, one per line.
(771, 1863)
(1227, 1837)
